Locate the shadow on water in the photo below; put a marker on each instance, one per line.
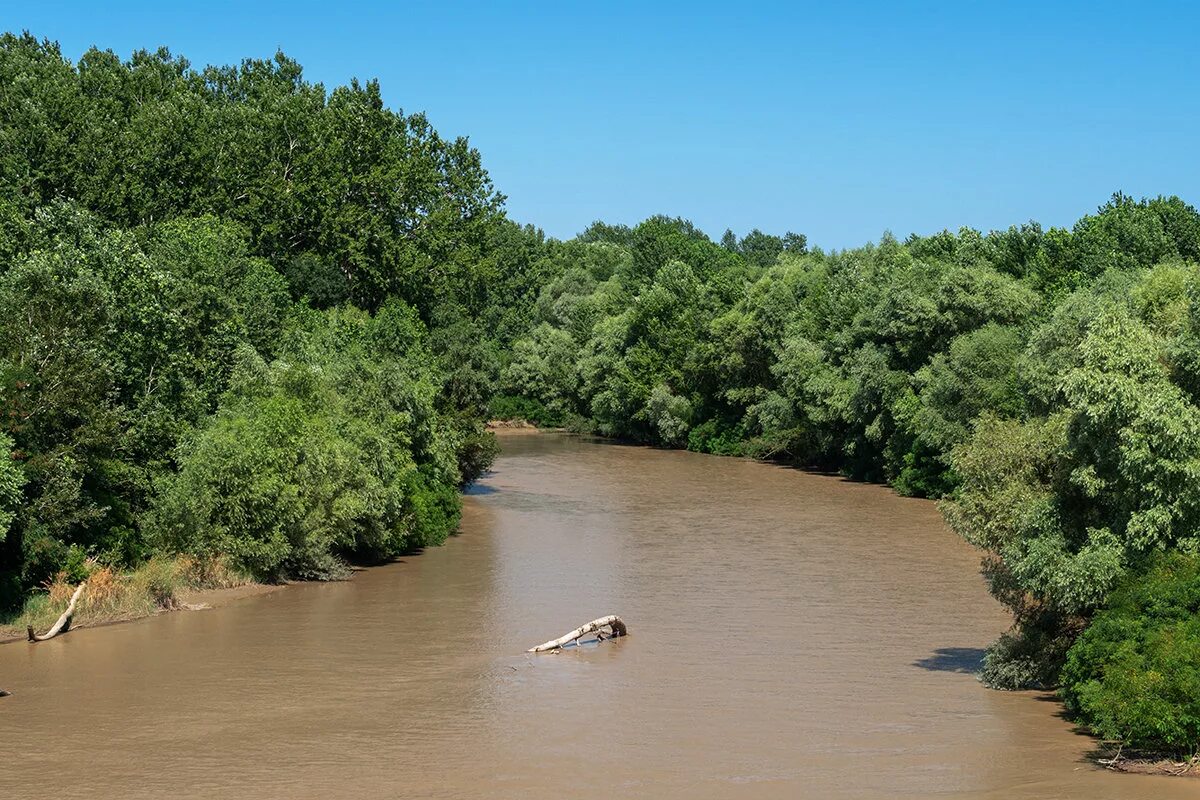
(477, 489)
(964, 660)
(782, 462)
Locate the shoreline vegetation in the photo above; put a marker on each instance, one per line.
(271, 338)
(158, 586)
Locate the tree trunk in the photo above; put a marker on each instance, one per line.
(612, 622)
(64, 622)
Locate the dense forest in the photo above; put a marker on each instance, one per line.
(240, 316)
(246, 319)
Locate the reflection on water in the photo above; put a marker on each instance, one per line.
(792, 635)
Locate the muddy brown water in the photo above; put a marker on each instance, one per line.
(792, 635)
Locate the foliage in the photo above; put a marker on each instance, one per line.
(330, 185)
(514, 407)
(245, 316)
(164, 229)
(335, 451)
(1134, 675)
(716, 437)
(1069, 502)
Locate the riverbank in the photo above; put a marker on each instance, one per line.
(160, 585)
(1149, 764)
(511, 425)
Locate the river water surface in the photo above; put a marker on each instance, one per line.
(792, 635)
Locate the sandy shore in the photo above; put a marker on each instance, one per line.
(511, 426)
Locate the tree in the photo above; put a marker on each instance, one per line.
(1132, 676)
(1065, 506)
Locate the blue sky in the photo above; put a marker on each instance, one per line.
(835, 120)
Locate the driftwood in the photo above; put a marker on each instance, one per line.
(612, 622)
(64, 622)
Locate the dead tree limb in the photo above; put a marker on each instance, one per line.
(64, 622)
(612, 622)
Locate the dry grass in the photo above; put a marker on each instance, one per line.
(1120, 760)
(115, 597)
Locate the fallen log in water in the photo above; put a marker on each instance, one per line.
(64, 622)
(612, 622)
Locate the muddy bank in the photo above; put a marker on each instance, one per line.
(202, 599)
(510, 426)
(1149, 765)
(188, 600)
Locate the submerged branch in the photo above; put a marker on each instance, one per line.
(612, 621)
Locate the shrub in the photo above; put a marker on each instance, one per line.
(1134, 674)
(157, 581)
(476, 453)
(669, 414)
(335, 452)
(110, 596)
(717, 437)
(1028, 656)
(511, 407)
(432, 509)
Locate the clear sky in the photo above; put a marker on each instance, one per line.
(838, 120)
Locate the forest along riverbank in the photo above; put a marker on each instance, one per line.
(791, 634)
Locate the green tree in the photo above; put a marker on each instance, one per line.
(1132, 677)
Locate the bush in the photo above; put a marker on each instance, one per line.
(1134, 674)
(335, 452)
(476, 454)
(158, 580)
(511, 407)
(1029, 656)
(432, 510)
(717, 437)
(669, 415)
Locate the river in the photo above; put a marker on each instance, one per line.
(792, 635)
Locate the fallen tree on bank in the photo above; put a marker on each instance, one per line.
(64, 622)
(612, 622)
